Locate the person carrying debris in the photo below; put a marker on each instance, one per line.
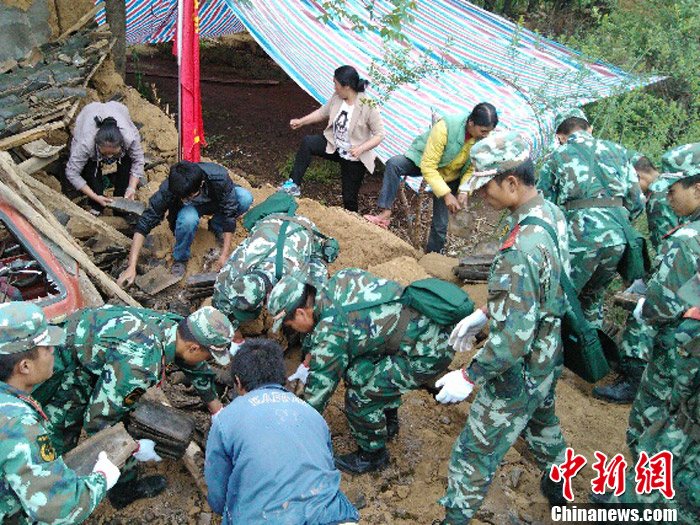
(362, 329)
(662, 308)
(354, 128)
(104, 134)
(441, 156)
(191, 190)
(35, 483)
(277, 245)
(111, 356)
(594, 183)
(518, 367)
(637, 339)
(259, 468)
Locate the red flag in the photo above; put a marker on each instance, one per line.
(187, 42)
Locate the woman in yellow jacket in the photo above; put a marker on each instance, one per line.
(441, 156)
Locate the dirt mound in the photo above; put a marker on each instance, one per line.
(440, 266)
(403, 269)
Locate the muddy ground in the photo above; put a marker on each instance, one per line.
(247, 129)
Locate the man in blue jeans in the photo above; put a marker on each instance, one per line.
(269, 454)
(191, 190)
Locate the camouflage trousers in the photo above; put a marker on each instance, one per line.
(667, 435)
(504, 409)
(651, 403)
(372, 386)
(592, 270)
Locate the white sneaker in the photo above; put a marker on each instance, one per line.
(290, 187)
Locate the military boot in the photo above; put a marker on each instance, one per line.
(624, 388)
(363, 461)
(392, 422)
(553, 491)
(123, 494)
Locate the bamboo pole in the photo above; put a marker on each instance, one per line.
(61, 237)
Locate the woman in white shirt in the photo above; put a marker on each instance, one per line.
(354, 128)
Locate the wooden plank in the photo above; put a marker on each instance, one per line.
(628, 301)
(82, 21)
(14, 141)
(115, 441)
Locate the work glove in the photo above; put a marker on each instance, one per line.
(638, 287)
(638, 310)
(302, 374)
(454, 387)
(108, 469)
(235, 347)
(146, 451)
(463, 334)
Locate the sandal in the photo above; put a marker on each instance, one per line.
(378, 221)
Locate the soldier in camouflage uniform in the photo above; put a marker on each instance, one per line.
(519, 365)
(35, 483)
(679, 431)
(662, 308)
(594, 183)
(637, 338)
(256, 265)
(360, 332)
(112, 355)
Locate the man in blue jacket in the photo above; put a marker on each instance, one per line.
(269, 454)
(191, 190)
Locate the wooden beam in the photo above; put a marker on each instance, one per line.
(31, 134)
(82, 21)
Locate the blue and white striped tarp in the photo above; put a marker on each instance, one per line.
(153, 21)
(527, 77)
(517, 70)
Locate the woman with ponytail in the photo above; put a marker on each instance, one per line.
(105, 135)
(354, 128)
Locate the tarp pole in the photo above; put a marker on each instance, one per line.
(178, 36)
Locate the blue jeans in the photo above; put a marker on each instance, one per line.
(398, 167)
(187, 223)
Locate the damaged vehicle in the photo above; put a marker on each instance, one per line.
(32, 268)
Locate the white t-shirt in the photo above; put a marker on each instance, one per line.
(341, 131)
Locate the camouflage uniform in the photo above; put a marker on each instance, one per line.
(112, 355)
(663, 310)
(254, 268)
(35, 483)
(583, 169)
(519, 365)
(355, 346)
(679, 432)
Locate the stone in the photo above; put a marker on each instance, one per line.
(402, 491)
(445, 420)
(514, 477)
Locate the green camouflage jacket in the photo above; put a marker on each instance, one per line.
(686, 386)
(676, 264)
(525, 301)
(660, 216)
(588, 168)
(258, 253)
(33, 480)
(126, 351)
(338, 338)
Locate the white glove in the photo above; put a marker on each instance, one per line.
(301, 374)
(235, 347)
(146, 451)
(454, 387)
(638, 287)
(108, 469)
(638, 310)
(465, 331)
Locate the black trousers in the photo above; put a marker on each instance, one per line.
(92, 173)
(352, 172)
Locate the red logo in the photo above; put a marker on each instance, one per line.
(567, 471)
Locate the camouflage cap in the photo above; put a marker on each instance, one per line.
(568, 113)
(681, 162)
(23, 326)
(285, 297)
(497, 153)
(212, 330)
(249, 291)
